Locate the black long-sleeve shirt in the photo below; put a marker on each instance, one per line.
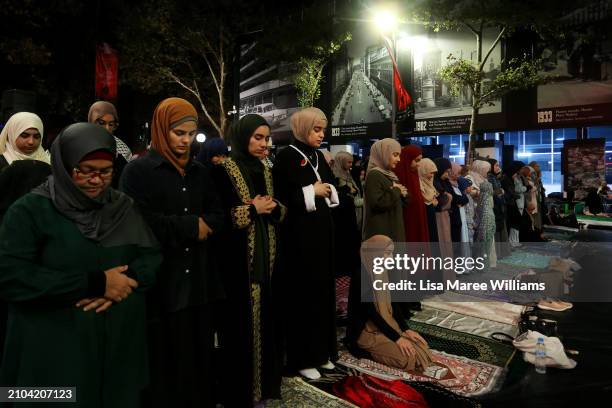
(171, 205)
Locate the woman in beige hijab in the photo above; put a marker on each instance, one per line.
(427, 170)
(377, 327)
(384, 196)
(304, 183)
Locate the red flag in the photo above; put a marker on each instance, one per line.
(107, 67)
(403, 97)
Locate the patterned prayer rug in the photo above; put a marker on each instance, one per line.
(502, 312)
(526, 259)
(462, 323)
(342, 294)
(466, 345)
(467, 377)
(296, 393)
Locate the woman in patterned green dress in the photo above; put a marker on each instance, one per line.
(484, 217)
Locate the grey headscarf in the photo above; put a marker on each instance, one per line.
(110, 218)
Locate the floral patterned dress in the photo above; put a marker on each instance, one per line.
(484, 218)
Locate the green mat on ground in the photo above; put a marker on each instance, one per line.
(463, 344)
(526, 259)
(296, 393)
(593, 218)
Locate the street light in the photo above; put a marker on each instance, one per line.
(385, 20)
(201, 137)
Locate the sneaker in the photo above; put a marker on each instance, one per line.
(328, 366)
(310, 373)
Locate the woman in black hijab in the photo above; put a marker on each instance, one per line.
(248, 248)
(75, 257)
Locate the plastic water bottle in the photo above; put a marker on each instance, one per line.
(540, 356)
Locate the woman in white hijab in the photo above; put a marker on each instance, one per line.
(21, 139)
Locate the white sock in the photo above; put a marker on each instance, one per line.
(310, 373)
(328, 366)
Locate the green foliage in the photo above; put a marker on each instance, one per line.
(305, 40)
(518, 74)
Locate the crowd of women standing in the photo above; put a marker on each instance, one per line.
(164, 281)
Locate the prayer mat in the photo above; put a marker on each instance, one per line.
(472, 306)
(367, 391)
(342, 294)
(438, 396)
(466, 377)
(526, 259)
(462, 323)
(296, 393)
(466, 345)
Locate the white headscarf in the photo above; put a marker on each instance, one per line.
(480, 169)
(15, 126)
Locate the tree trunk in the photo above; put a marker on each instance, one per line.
(473, 135)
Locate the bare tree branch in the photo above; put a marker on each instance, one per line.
(497, 40)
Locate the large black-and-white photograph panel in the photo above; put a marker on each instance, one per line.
(580, 69)
(267, 91)
(362, 81)
(430, 52)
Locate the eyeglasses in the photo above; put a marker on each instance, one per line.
(104, 174)
(111, 124)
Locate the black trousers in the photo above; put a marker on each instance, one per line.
(180, 359)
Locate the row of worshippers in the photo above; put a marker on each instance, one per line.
(119, 292)
(414, 199)
(197, 250)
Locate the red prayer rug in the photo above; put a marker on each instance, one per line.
(466, 377)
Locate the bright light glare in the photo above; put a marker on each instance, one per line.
(385, 21)
(201, 137)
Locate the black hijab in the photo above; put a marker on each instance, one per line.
(109, 218)
(240, 136)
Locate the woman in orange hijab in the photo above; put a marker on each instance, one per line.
(179, 201)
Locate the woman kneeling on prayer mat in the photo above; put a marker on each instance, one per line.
(377, 329)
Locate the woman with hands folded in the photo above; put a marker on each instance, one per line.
(69, 250)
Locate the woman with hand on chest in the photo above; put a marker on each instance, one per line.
(304, 182)
(248, 246)
(384, 196)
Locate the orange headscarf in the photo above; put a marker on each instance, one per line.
(170, 113)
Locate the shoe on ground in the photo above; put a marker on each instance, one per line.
(310, 373)
(328, 366)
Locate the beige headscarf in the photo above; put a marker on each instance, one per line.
(341, 174)
(479, 172)
(380, 156)
(375, 247)
(427, 166)
(304, 120)
(15, 126)
(99, 109)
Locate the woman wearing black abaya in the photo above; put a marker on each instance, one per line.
(304, 182)
(248, 248)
